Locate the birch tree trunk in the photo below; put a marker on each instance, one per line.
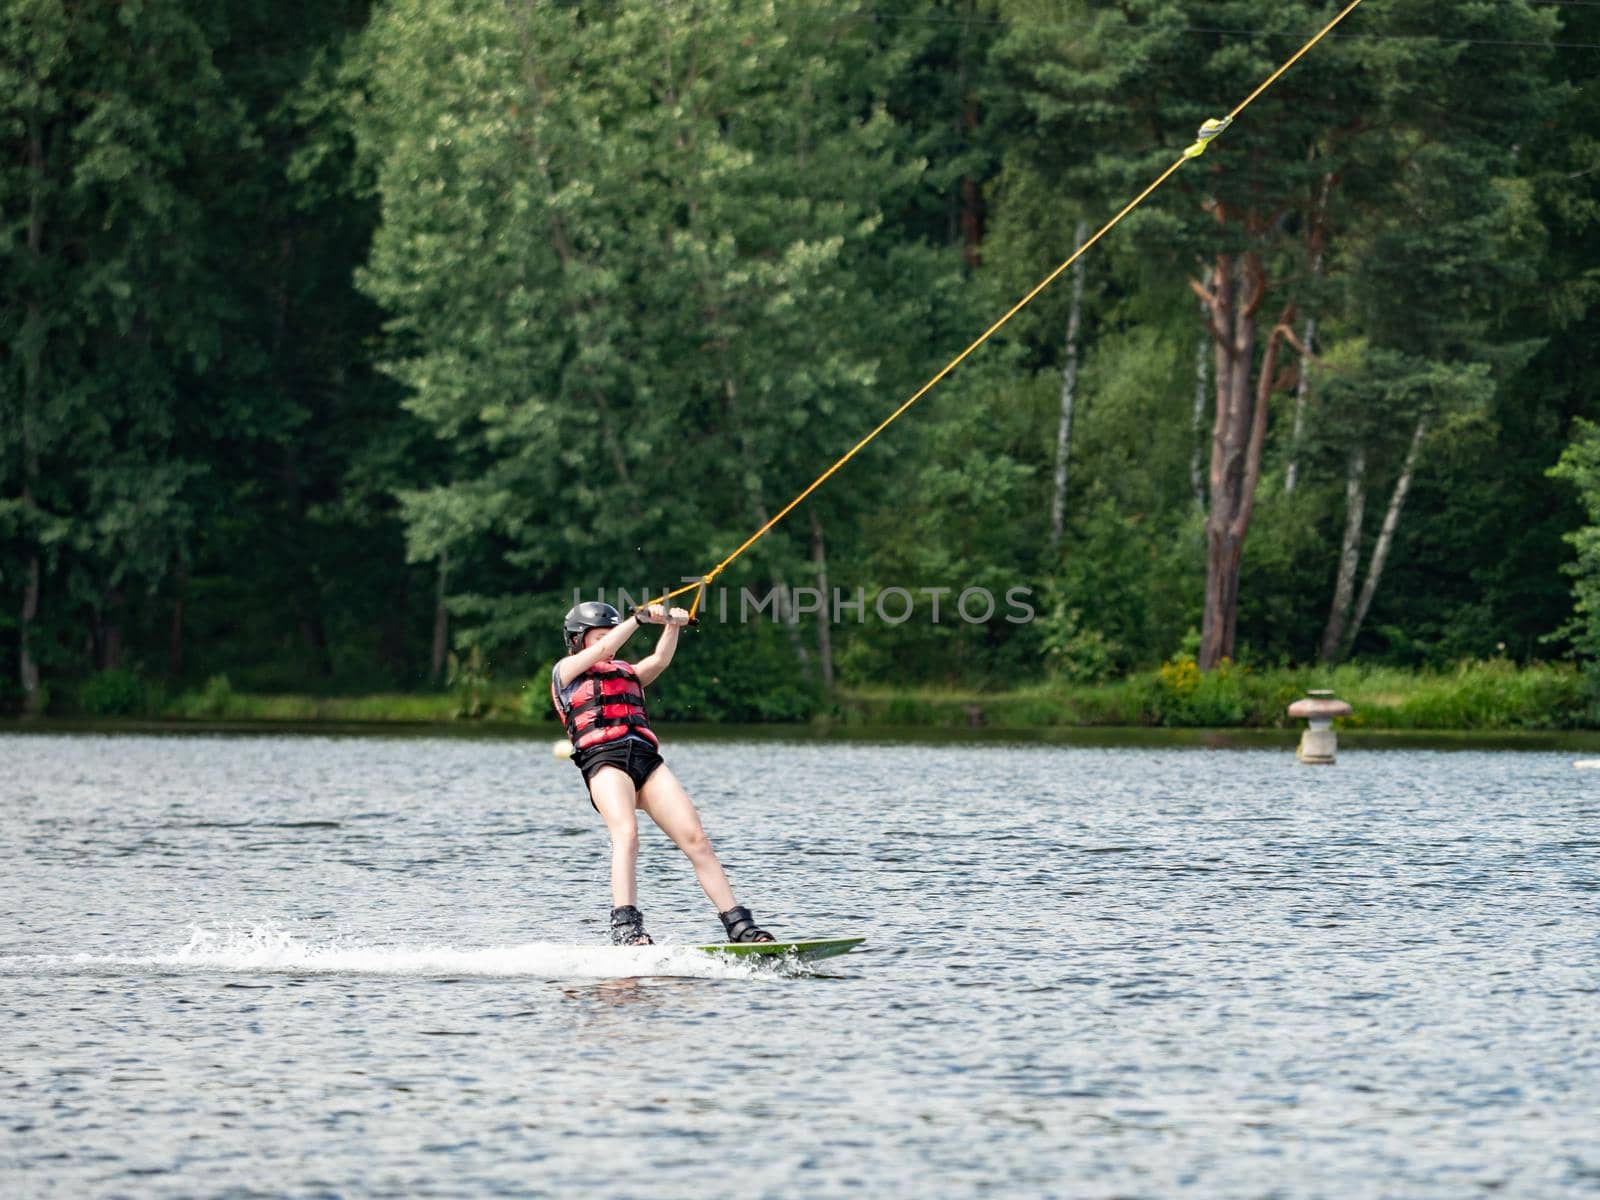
(1238, 434)
(1308, 340)
(1308, 337)
(1069, 390)
(1355, 503)
(1391, 520)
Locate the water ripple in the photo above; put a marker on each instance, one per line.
(258, 966)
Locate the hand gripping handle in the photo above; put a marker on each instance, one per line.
(640, 611)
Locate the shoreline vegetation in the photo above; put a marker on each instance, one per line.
(349, 341)
(1493, 696)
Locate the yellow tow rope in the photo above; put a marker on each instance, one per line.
(1208, 132)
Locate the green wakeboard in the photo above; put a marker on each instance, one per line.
(813, 949)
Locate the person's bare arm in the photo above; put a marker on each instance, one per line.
(651, 666)
(573, 665)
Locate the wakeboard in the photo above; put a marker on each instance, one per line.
(813, 948)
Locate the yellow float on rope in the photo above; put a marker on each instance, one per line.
(1207, 131)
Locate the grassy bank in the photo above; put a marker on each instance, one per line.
(1493, 695)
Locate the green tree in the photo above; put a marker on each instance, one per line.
(637, 281)
(307, 441)
(1338, 137)
(1477, 573)
(114, 119)
(1580, 467)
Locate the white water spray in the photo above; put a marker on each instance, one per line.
(268, 949)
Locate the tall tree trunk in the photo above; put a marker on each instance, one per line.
(1391, 521)
(175, 628)
(1238, 434)
(29, 675)
(1302, 387)
(819, 561)
(392, 630)
(1197, 478)
(971, 211)
(27, 664)
(304, 603)
(789, 619)
(1069, 391)
(441, 620)
(1308, 338)
(312, 629)
(758, 509)
(971, 222)
(1355, 504)
(109, 633)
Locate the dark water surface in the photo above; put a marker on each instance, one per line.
(318, 966)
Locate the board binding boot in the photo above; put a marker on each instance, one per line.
(627, 927)
(742, 927)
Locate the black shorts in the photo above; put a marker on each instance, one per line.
(634, 756)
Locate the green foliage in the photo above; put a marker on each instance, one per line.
(1482, 695)
(116, 128)
(216, 700)
(1071, 651)
(965, 517)
(221, 702)
(468, 677)
(752, 680)
(630, 275)
(1188, 696)
(1580, 466)
(628, 254)
(118, 693)
(1351, 194)
(180, 334)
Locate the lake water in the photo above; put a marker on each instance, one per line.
(372, 967)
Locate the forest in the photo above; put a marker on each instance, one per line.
(343, 344)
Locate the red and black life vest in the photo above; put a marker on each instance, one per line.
(606, 704)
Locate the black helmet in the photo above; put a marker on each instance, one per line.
(580, 618)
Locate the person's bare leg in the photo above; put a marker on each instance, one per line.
(613, 794)
(669, 806)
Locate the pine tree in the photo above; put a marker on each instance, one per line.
(1338, 139)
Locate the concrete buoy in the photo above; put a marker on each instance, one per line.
(562, 749)
(1318, 744)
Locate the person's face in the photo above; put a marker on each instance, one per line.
(591, 636)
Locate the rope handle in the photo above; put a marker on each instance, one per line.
(641, 611)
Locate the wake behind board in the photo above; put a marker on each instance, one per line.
(812, 949)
